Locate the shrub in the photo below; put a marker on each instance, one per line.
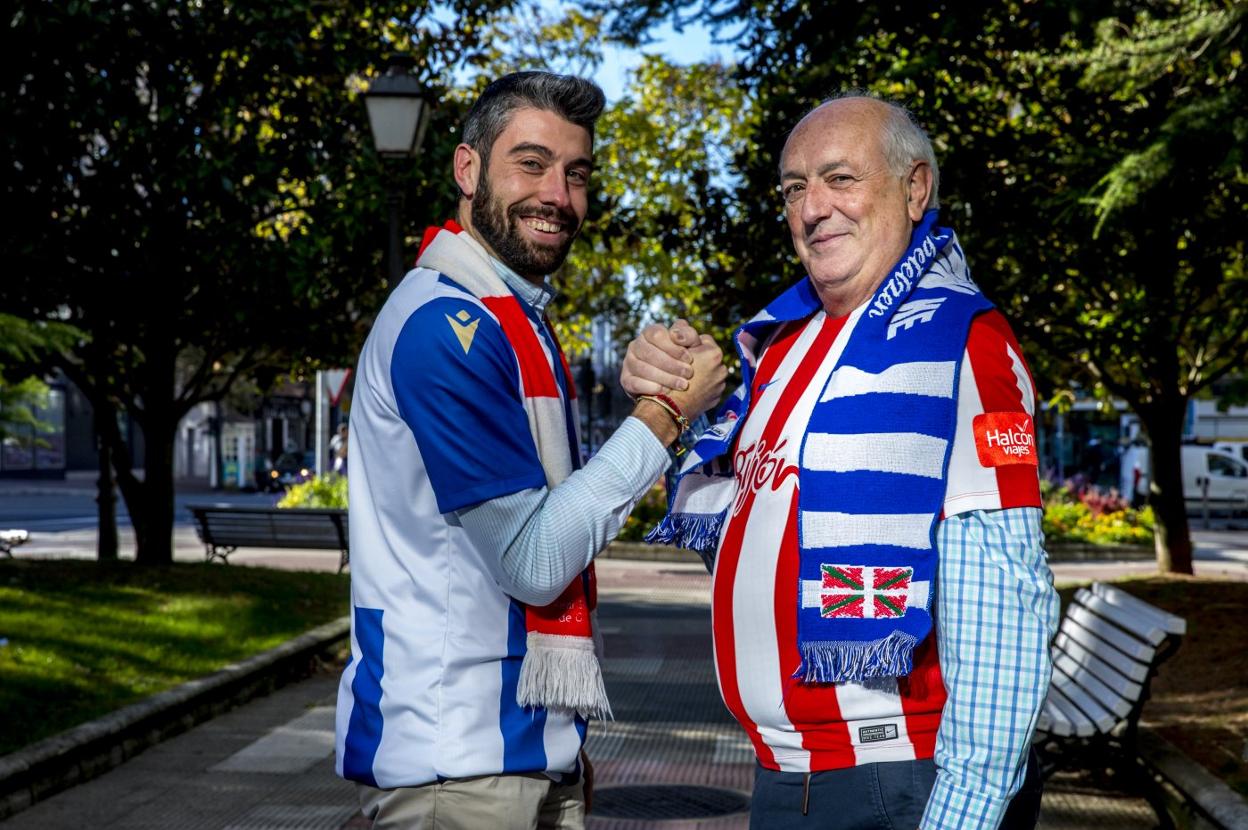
(328, 490)
(1091, 516)
(646, 514)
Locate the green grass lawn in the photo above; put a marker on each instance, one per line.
(85, 639)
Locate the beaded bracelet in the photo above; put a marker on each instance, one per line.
(671, 408)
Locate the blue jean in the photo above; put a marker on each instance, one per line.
(889, 796)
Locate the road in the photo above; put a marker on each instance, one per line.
(56, 509)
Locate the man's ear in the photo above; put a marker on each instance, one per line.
(918, 189)
(467, 168)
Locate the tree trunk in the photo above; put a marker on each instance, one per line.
(106, 544)
(154, 538)
(1172, 537)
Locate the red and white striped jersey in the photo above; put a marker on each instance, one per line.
(797, 727)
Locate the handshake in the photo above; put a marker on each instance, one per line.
(676, 364)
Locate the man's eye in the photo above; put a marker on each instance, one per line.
(578, 177)
(792, 192)
(531, 164)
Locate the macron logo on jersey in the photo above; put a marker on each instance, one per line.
(1005, 438)
(463, 329)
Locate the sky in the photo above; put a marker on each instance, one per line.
(690, 46)
(693, 44)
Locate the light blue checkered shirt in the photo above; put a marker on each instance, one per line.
(996, 612)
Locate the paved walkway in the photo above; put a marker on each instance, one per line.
(269, 764)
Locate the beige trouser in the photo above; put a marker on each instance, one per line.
(505, 802)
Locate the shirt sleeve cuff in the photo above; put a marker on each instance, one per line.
(951, 807)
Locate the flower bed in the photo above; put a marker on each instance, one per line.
(1093, 517)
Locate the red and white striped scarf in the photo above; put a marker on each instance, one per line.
(561, 669)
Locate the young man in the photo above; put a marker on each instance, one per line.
(473, 523)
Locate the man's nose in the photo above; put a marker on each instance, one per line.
(554, 190)
(817, 204)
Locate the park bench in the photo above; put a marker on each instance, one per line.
(10, 539)
(1105, 655)
(224, 528)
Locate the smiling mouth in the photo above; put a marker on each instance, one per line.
(543, 225)
(824, 238)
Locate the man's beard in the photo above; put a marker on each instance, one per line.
(501, 230)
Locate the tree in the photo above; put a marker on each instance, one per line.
(1091, 160)
(193, 186)
(1155, 145)
(23, 346)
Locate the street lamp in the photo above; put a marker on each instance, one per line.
(398, 114)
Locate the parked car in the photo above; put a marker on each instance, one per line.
(1225, 476)
(289, 468)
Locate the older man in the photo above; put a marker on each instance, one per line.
(473, 523)
(875, 478)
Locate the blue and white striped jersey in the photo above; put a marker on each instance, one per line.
(437, 424)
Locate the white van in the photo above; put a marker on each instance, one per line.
(1226, 475)
(1239, 449)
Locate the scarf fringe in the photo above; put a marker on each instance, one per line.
(840, 661)
(562, 673)
(694, 531)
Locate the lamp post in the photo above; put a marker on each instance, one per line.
(398, 114)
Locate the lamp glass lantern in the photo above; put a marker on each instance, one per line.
(398, 112)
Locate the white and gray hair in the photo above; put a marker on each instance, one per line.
(905, 142)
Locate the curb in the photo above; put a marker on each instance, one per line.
(1083, 552)
(34, 490)
(91, 749)
(1211, 797)
(642, 552)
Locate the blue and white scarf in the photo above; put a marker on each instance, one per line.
(872, 468)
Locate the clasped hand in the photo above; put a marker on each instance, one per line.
(678, 362)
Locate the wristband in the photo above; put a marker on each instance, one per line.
(671, 408)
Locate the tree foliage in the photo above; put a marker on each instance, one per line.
(654, 247)
(24, 345)
(192, 184)
(1092, 162)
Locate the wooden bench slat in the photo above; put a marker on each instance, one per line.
(1075, 633)
(1045, 722)
(1168, 622)
(1102, 694)
(1052, 719)
(1125, 686)
(1080, 724)
(1048, 723)
(1097, 714)
(1111, 634)
(1141, 628)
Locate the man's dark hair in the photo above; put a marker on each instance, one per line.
(574, 99)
